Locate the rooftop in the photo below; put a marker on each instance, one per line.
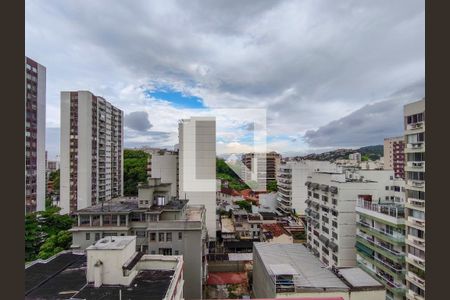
(275, 229)
(357, 278)
(64, 277)
(307, 268)
(112, 243)
(128, 204)
(218, 278)
(148, 284)
(227, 225)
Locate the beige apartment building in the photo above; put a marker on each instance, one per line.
(394, 155)
(91, 151)
(261, 167)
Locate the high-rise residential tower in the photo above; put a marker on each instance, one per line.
(414, 125)
(197, 165)
(91, 150)
(35, 80)
(261, 167)
(394, 155)
(292, 192)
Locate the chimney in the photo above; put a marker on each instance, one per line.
(98, 274)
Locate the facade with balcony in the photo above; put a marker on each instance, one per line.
(291, 179)
(35, 158)
(414, 125)
(380, 244)
(332, 208)
(91, 151)
(161, 223)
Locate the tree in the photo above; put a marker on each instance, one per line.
(272, 186)
(134, 170)
(55, 177)
(55, 244)
(42, 225)
(244, 205)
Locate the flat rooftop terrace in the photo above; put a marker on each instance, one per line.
(64, 277)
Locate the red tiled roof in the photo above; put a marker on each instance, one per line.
(276, 229)
(216, 278)
(229, 191)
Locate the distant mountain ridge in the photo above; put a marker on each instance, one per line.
(367, 152)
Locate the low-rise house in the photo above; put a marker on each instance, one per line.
(275, 233)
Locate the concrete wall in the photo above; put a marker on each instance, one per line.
(197, 166)
(166, 167)
(41, 184)
(84, 187)
(64, 188)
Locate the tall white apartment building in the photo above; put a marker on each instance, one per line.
(331, 212)
(292, 192)
(414, 125)
(197, 166)
(165, 167)
(35, 166)
(91, 151)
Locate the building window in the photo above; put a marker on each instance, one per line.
(315, 195)
(153, 252)
(324, 198)
(152, 236)
(140, 233)
(334, 201)
(88, 236)
(165, 251)
(97, 236)
(177, 252)
(180, 235)
(169, 237)
(334, 235)
(161, 237)
(334, 223)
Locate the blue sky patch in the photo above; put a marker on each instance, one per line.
(176, 98)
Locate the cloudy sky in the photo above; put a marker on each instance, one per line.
(328, 73)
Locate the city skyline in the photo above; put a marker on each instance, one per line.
(325, 81)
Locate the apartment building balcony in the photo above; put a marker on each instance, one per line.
(416, 242)
(284, 196)
(394, 255)
(415, 165)
(391, 213)
(411, 295)
(414, 127)
(416, 223)
(415, 147)
(396, 238)
(414, 203)
(395, 287)
(415, 261)
(416, 184)
(395, 271)
(284, 191)
(417, 280)
(282, 180)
